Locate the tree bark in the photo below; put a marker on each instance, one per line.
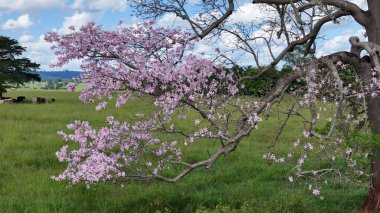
(372, 201)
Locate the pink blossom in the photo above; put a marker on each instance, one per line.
(316, 192)
(306, 134)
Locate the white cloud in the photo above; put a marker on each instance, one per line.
(339, 42)
(28, 5)
(25, 38)
(22, 22)
(38, 50)
(361, 3)
(76, 20)
(36, 46)
(114, 5)
(249, 12)
(171, 20)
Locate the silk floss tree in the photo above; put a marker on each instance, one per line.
(340, 90)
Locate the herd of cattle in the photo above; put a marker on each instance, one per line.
(20, 99)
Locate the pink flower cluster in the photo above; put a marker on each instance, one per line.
(112, 151)
(138, 60)
(145, 59)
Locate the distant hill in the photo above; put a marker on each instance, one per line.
(64, 75)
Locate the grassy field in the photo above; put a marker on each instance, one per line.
(241, 183)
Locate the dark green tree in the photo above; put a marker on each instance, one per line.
(299, 56)
(14, 69)
(260, 86)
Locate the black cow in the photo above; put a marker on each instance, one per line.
(20, 99)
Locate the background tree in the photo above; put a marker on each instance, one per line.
(298, 57)
(152, 61)
(261, 86)
(50, 85)
(14, 71)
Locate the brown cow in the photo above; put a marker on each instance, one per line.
(39, 100)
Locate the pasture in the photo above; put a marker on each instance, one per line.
(243, 182)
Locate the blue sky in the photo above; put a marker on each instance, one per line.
(28, 20)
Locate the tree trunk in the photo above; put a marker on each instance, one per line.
(372, 201)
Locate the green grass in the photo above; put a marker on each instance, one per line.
(243, 182)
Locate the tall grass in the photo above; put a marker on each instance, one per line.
(243, 182)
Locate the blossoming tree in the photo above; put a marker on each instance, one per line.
(341, 91)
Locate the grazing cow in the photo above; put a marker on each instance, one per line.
(20, 99)
(7, 101)
(39, 100)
